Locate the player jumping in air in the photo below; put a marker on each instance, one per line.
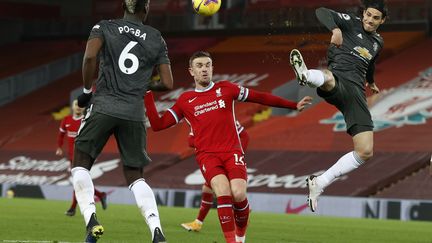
(209, 110)
(353, 51)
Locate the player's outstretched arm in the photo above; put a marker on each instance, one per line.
(275, 101)
(324, 15)
(60, 137)
(301, 105)
(328, 18)
(157, 123)
(166, 79)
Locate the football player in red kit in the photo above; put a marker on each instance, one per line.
(69, 127)
(209, 110)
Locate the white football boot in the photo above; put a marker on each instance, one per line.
(300, 69)
(314, 192)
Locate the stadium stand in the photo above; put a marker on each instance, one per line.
(251, 48)
(41, 52)
(28, 11)
(286, 143)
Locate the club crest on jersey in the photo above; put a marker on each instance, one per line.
(408, 104)
(218, 92)
(375, 46)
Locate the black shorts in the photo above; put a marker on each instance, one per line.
(351, 101)
(96, 128)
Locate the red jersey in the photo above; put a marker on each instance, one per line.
(69, 127)
(210, 113)
(244, 137)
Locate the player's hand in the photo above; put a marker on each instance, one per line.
(373, 87)
(336, 38)
(307, 100)
(84, 99)
(59, 152)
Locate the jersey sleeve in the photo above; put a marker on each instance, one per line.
(332, 19)
(238, 92)
(176, 111)
(158, 123)
(97, 30)
(371, 69)
(61, 134)
(163, 53)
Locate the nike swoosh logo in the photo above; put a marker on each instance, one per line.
(191, 100)
(224, 222)
(295, 210)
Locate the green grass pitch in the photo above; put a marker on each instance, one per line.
(31, 220)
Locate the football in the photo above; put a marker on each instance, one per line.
(206, 7)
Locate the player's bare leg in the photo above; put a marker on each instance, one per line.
(206, 204)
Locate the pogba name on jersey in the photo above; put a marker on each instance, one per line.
(132, 31)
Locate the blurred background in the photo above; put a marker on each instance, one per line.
(42, 44)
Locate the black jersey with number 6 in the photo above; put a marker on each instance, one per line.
(129, 53)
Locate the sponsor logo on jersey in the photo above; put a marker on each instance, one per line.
(408, 104)
(209, 106)
(363, 52)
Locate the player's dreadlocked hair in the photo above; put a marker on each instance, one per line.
(134, 6)
(376, 4)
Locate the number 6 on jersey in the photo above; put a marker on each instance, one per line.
(126, 55)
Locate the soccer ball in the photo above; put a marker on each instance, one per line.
(206, 7)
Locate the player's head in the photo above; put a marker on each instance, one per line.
(137, 7)
(374, 14)
(76, 110)
(201, 68)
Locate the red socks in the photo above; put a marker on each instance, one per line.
(206, 204)
(98, 194)
(226, 217)
(241, 215)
